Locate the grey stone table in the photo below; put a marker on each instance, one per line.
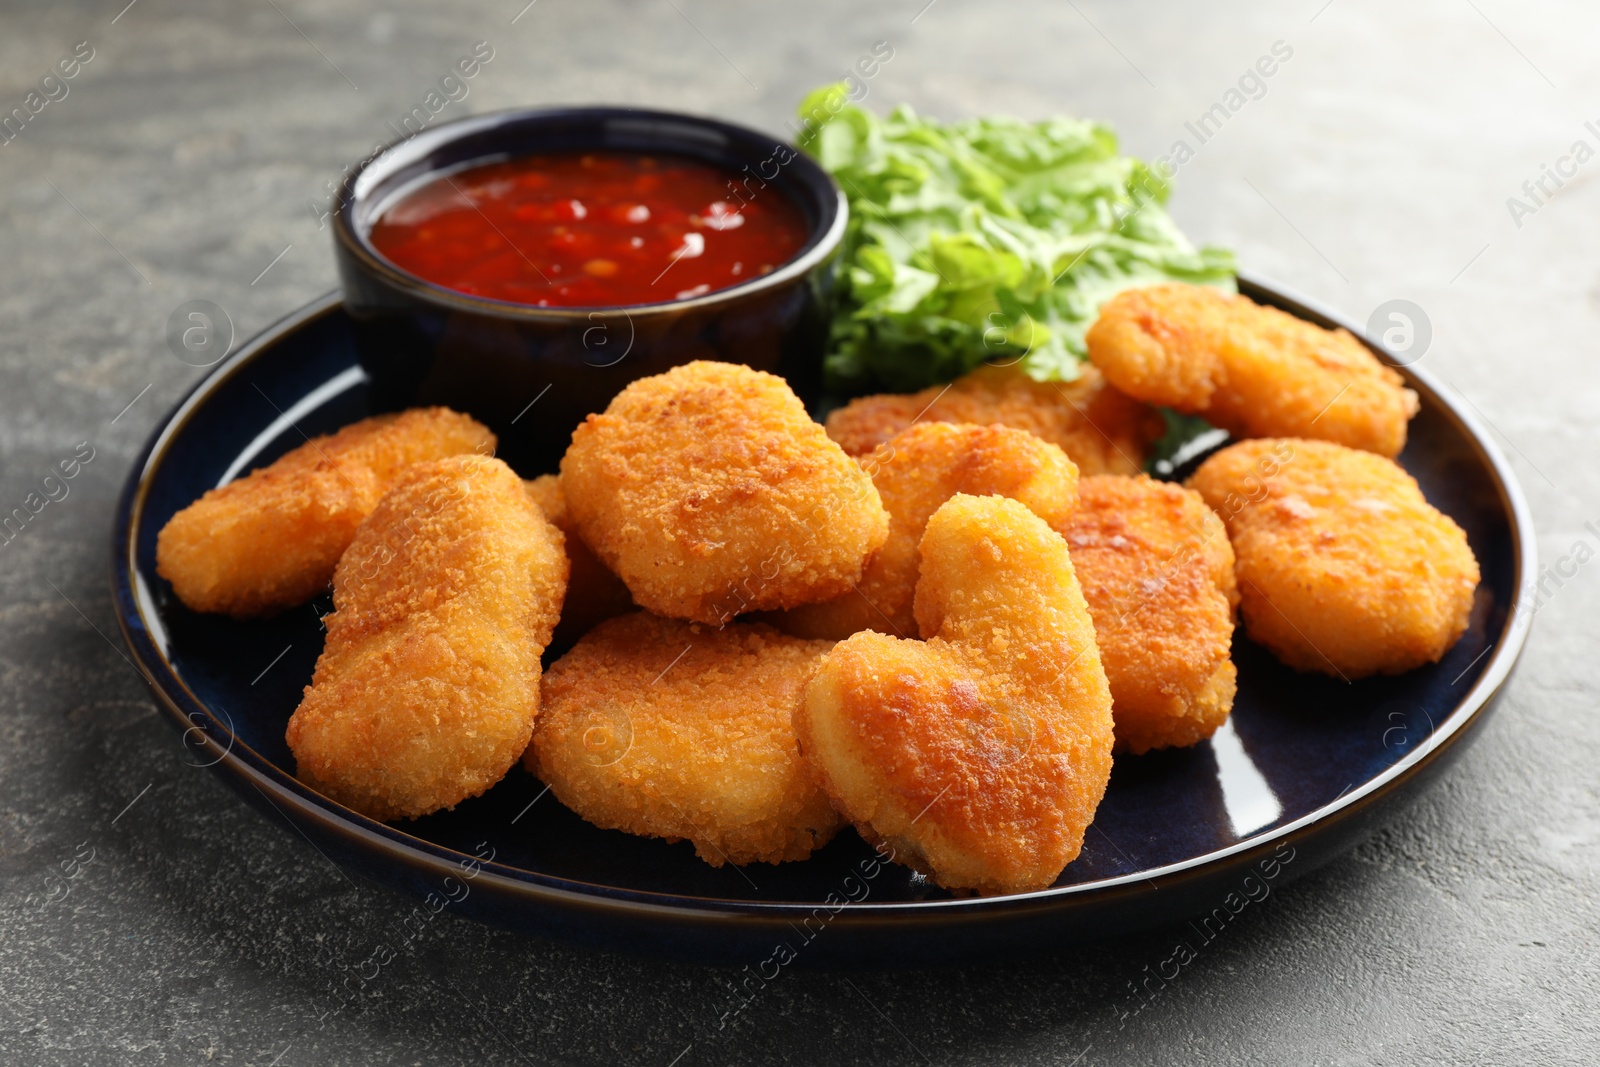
(184, 162)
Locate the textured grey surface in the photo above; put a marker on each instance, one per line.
(1377, 165)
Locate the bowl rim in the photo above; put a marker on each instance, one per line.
(822, 241)
(134, 605)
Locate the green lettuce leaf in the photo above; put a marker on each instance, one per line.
(985, 239)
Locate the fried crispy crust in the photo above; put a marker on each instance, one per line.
(1343, 567)
(270, 540)
(916, 471)
(668, 729)
(710, 492)
(594, 594)
(1252, 370)
(1100, 429)
(1157, 571)
(428, 684)
(980, 754)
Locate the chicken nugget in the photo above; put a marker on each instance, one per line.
(1343, 566)
(428, 684)
(669, 729)
(979, 754)
(710, 492)
(916, 471)
(271, 539)
(1254, 371)
(594, 594)
(1100, 429)
(1157, 572)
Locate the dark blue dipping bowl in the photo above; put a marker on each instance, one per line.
(533, 373)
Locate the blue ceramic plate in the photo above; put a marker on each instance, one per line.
(1305, 768)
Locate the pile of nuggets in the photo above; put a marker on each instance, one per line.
(935, 619)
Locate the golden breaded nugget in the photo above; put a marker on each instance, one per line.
(1343, 567)
(915, 472)
(271, 539)
(980, 754)
(710, 492)
(1100, 429)
(1157, 571)
(668, 729)
(594, 594)
(428, 684)
(1252, 370)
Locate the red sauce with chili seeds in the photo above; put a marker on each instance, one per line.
(592, 229)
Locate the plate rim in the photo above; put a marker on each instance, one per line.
(277, 787)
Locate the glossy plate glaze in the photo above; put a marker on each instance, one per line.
(1305, 768)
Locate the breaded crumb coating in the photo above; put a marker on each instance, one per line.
(270, 540)
(669, 729)
(978, 755)
(1157, 570)
(1254, 371)
(916, 471)
(1343, 566)
(1100, 429)
(428, 684)
(710, 492)
(594, 594)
